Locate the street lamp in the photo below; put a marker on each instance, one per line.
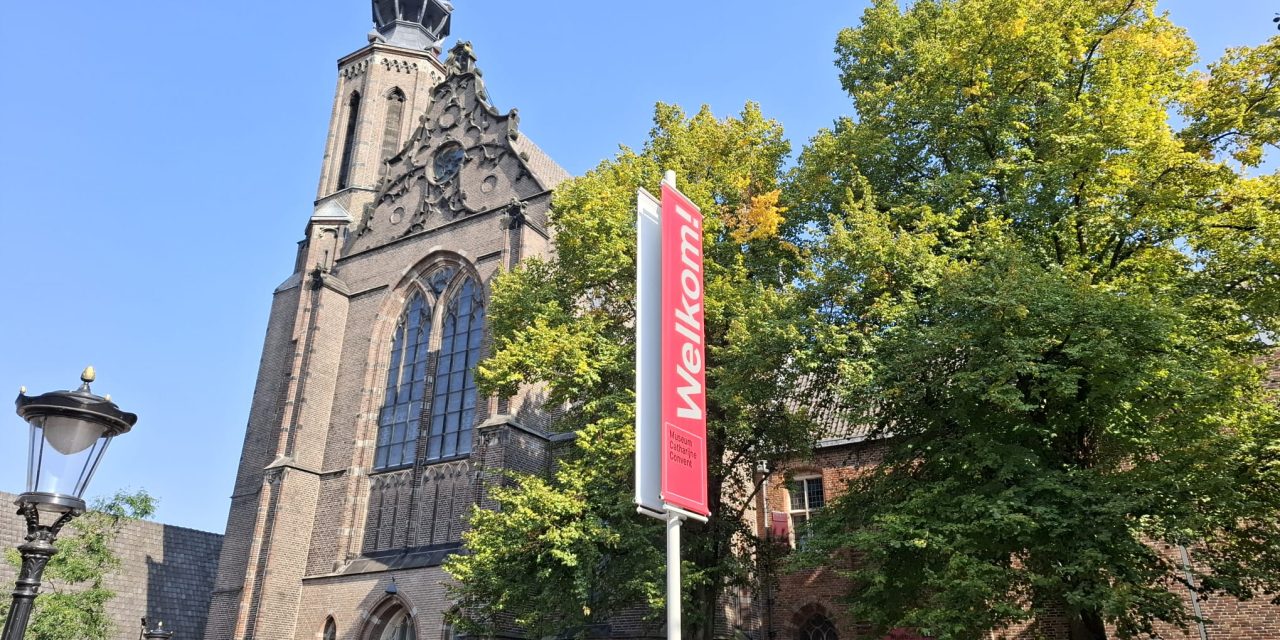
(70, 430)
(157, 632)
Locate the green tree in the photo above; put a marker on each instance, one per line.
(73, 595)
(1050, 297)
(569, 550)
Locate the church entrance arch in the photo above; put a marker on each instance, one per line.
(392, 621)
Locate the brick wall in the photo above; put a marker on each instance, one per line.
(166, 573)
(800, 595)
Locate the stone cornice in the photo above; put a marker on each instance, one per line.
(391, 51)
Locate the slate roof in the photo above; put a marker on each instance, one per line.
(840, 422)
(544, 169)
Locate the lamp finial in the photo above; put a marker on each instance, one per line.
(89, 375)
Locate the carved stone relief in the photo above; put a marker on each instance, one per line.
(388, 517)
(447, 494)
(355, 69)
(399, 66)
(461, 160)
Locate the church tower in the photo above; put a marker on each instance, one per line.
(367, 441)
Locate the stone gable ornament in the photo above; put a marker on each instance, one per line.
(462, 159)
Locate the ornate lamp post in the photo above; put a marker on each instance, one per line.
(70, 430)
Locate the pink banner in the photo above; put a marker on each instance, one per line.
(684, 397)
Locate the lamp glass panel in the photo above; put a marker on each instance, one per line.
(63, 456)
(70, 436)
(33, 456)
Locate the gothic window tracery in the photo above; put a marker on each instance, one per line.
(453, 405)
(392, 621)
(406, 384)
(817, 627)
(400, 628)
(459, 321)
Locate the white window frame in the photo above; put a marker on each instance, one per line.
(805, 511)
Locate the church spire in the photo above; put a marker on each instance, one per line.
(412, 24)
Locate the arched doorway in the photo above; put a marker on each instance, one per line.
(817, 627)
(812, 623)
(392, 621)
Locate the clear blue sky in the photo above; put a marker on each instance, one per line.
(158, 161)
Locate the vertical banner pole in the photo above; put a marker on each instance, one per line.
(669, 288)
(673, 575)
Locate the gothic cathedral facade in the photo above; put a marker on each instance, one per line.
(367, 441)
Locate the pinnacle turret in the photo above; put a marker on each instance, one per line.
(412, 24)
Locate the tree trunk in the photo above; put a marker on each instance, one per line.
(1088, 625)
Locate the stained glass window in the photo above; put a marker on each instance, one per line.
(451, 391)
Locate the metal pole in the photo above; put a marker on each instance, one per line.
(35, 555)
(673, 575)
(1191, 587)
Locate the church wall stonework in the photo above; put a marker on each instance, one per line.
(315, 530)
(374, 72)
(258, 451)
(352, 600)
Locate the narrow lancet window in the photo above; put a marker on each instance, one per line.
(453, 403)
(406, 384)
(349, 141)
(391, 132)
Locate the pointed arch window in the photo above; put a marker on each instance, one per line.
(817, 627)
(330, 629)
(459, 321)
(391, 622)
(453, 403)
(400, 628)
(349, 141)
(406, 384)
(391, 130)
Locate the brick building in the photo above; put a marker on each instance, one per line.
(367, 442)
(166, 574)
(807, 605)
